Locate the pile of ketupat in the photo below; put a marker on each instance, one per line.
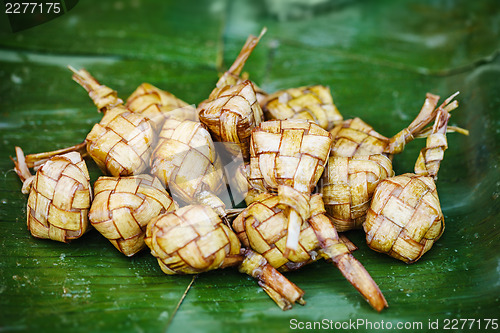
(305, 174)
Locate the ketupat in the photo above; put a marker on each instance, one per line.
(194, 239)
(262, 226)
(313, 103)
(122, 208)
(185, 160)
(288, 152)
(231, 117)
(405, 218)
(59, 196)
(347, 185)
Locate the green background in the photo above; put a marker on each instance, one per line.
(379, 59)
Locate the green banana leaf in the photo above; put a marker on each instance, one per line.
(378, 57)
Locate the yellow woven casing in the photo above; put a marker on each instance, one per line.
(123, 207)
(289, 152)
(405, 218)
(121, 142)
(185, 160)
(262, 226)
(313, 103)
(60, 198)
(191, 240)
(157, 105)
(348, 184)
(355, 137)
